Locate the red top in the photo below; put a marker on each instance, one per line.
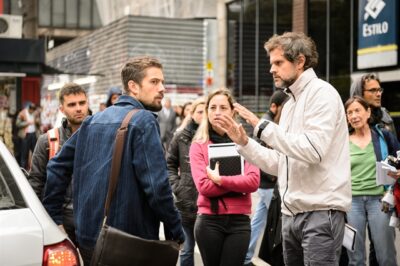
(245, 184)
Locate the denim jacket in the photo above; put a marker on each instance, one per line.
(143, 196)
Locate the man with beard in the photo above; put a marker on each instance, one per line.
(369, 88)
(74, 105)
(310, 153)
(143, 195)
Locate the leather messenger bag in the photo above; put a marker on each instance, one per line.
(115, 247)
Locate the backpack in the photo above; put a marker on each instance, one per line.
(53, 136)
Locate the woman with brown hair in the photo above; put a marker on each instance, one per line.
(222, 228)
(368, 145)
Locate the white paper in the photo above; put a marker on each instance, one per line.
(224, 150)
(382, 170)
(349, 239)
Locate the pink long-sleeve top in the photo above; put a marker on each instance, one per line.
(245, 184)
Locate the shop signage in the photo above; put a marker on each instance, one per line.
(377, 34)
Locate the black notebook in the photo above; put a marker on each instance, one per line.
(230, 161)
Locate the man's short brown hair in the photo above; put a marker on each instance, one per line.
(135, 69)
(70, 88)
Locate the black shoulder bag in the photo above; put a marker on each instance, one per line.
(115, 247)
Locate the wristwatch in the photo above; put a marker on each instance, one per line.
(262, 127)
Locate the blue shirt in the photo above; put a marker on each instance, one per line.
(143, 196)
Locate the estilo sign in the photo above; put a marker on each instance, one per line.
(377, 34)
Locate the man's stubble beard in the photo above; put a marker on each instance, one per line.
(152, 107)
(285, 83)
(76, 122)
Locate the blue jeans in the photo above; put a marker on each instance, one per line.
(259, 220)
(367, 209)
(222, 239)
(186, 257)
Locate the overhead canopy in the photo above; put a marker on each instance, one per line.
(24, 56)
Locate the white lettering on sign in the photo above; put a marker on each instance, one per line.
(375, 29)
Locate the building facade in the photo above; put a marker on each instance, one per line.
(100, 56)
(353, 37)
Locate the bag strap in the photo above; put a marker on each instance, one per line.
(116, 160)
(53, 138)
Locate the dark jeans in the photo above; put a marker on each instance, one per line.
(186, 257)
(27, 144)
(69, 225)
(86, 254)
(313, 238)
(222, 239)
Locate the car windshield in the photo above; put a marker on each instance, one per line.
(6, 199)
(10, 195)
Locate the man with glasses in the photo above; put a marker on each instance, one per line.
(369, 87)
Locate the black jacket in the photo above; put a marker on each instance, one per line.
(38, 174)
(271, 249)
(180, 176)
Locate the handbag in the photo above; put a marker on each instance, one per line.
(116, 247)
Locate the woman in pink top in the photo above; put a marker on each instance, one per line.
(222, 228)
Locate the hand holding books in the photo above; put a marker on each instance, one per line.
(213, 175)
(225, 155)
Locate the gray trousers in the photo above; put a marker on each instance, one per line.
(313, 238)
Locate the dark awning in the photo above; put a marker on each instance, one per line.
(27, 56)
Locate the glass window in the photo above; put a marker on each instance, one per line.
(339, 47)
(85, 14)
(250, 25)
(248, 66)
(44, 13)
(337, 72)
(233, 10)
(317, 31)
(58, 13)
(10, 196)
(284, 16)
(72, 13)
(266, 29)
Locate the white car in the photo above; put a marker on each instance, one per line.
(28, 236)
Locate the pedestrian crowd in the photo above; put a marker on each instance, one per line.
(311, 159)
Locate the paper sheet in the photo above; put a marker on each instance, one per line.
(382, 170)
(349, 239)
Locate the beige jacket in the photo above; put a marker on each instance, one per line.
(310, 152)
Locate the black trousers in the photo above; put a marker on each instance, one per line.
(86, 254)
(222, 239)
(69, 226)
(27, 144)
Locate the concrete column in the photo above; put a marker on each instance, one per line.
(222, 49)
(30, 19)
(299, 22)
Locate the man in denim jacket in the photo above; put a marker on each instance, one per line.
(143, 195)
